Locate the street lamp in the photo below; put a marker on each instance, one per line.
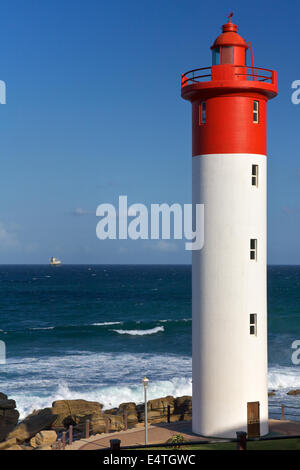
(145, 382)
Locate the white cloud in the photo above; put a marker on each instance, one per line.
(7, 239)
(163, 245)
(79, 211)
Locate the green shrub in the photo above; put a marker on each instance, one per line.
(177, 440)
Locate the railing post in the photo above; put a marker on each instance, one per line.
(87, 429)
(70, 435)
(63, 440)
(59, 444)
(107, 426)
(241, 437)
(115, 444)
(125, 420)
(282, 412)
(169, 413)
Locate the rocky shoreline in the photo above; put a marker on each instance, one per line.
(41, 428)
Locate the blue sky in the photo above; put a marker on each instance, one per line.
(94, 111)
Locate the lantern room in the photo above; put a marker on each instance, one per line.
(229, 47)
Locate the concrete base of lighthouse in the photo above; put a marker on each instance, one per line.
(229, 364)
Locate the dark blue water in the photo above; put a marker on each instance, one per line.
(95, 331)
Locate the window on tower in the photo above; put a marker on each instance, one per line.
(202, 113)
(256, 112)
(227, 55)
(253, 324)
(216, 56)
(253, 249)
(255, 175)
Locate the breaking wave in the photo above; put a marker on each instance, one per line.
(151, 331)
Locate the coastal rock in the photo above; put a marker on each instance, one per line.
(183, 406)
(46, 447)
(15, 447)
(157, 410)
(100, 423)
(8, 443)
(154, 417)
(19, 447)
(31, 425)
(174, 418)
(9, 416)
(162, 404)
(116, 423)
(111, 411)
(294, 392)
(73, 411)
(7, 404)
(132, 415)
(43, 438)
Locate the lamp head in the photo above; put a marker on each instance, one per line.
(145, 381)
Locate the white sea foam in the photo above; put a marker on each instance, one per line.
(109, 396)
(105, 377)
(43, 328)
(105, 323)
(112, 378)
(151, 331)
(284, 377)
(175, 321)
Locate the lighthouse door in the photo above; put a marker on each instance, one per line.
(253, 419)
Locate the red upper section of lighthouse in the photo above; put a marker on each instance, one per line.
(229, 36)
(226, 92)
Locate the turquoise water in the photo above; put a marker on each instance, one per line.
(94, 331)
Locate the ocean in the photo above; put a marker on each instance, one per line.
(94, 332)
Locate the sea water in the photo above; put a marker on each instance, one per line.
(94, 332)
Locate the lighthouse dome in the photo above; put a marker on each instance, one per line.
(229, 36)
(229, 47)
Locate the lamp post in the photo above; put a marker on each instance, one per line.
(145, 382)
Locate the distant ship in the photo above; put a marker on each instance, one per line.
(55, 261)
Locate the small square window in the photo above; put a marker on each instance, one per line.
(253, 324)
(253, 249)
(256, 112)
(202, 113)
(255, 175)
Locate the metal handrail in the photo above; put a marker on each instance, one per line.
(255, 74)
(185, 79)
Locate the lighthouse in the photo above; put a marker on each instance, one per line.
(229, 288)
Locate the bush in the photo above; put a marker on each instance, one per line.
(177, 440)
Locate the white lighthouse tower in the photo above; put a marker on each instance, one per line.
(229, 106)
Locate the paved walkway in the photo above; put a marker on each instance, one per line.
(160, 433)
